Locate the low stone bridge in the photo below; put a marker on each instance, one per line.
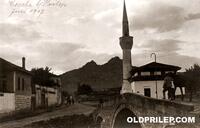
(114, 112)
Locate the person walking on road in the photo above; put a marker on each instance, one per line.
(167, 86)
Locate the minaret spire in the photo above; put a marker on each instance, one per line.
(126, 43)
(125, 26)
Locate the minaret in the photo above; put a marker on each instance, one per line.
(126, 43)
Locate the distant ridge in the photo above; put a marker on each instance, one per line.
(108, 75)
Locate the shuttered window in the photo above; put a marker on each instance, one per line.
(23, 84)
(18, 83)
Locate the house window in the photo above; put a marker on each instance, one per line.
(1, 86)
(18, 83)
(136, 74)
(169, 72)
(4, 84)
(145, 73)
(23, 84)
(157, 73)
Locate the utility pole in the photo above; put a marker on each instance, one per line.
(155, 58)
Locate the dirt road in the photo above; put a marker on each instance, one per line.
(71, 110)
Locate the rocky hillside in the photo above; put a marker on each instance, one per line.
(108, 75)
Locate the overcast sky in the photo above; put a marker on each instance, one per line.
(72, 32)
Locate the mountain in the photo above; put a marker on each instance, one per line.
(108, 75)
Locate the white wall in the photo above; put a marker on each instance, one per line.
(7, 102)
(139, 86)
(51, 95)
(52, 98)
(38, 95)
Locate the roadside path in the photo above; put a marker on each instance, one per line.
(71, 110)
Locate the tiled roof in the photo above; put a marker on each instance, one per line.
(10, 66)
(154, 66)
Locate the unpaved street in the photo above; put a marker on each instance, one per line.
(71, 110)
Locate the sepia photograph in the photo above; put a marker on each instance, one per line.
(99, 64)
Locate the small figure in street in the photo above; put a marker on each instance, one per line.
(173, 91)
(68, 100)
(71, 100)
(101, 103)
(167, 86)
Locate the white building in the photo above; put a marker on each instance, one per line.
(49, 95)
(148, 79)
(15, 87)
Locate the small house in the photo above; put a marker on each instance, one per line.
(49, 95)
(15, 87)
(148, 79)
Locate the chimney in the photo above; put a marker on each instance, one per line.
(23, 62)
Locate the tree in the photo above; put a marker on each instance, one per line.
(84, 89)
(42, 76)
(180, 82)
(192, 76)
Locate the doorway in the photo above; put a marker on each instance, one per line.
(147, 92)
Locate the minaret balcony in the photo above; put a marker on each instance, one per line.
(126, 42)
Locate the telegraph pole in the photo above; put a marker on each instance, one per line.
(155, 58)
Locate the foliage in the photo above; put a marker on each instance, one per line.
(73, 121)
(192, 80)
(42, 76)
(84, 89)
(65, 94)
(180, 80)
(193, 77)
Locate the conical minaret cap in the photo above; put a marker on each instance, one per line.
(125, 25)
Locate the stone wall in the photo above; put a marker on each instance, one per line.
(22, 102)
(141, 106)
(163, 106)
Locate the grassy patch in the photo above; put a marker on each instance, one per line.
(21, 114)
(75, 121)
